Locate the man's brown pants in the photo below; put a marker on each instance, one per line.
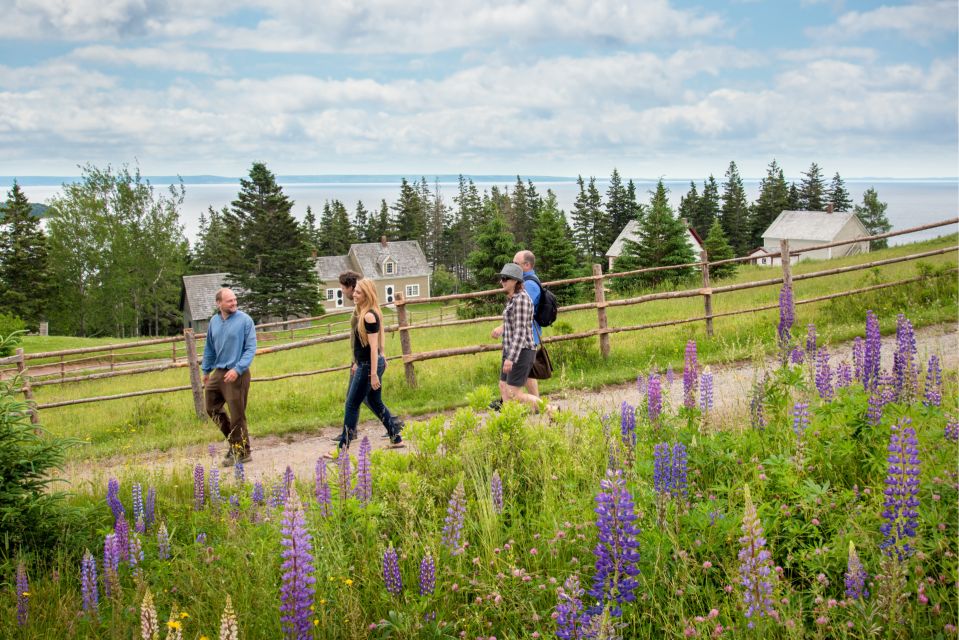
(217, 393)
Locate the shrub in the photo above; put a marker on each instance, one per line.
(11, 328)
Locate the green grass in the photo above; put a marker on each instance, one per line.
(304, 404)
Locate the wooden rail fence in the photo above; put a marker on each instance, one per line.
(404, 325)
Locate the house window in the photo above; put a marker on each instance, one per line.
(330, 294)
(412, 291)
(390, 267)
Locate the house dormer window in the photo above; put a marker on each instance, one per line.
(389, 267)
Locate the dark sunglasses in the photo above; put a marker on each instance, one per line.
(504, 279)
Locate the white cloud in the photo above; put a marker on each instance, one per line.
(172, 58)
(921, 21)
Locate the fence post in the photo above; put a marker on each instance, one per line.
(400, 301)
(174, 352)
(707, 293)
(601, 309)
(787, 270)
(27, 391)
(196, 384)
(63, 371)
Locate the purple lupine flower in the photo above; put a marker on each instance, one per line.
(797, 356)
(163, 542)
(135, 552)
(322, 489)
(641, 384)
(137, 502)
(757, 414)
(627, 423)
(234, 506)
(858, 358)
(843, 375)
(140, 526)
(427, 575)
(215, 488)
(786, 316)
(122, 530)
(455, 515)
(149, 510)
(706, 392)
(391, 572)
(496, 491)
(288, 479)
(278, 494)
(856, 576)
(211, 451)
(23, 594)
(198, 482)
(874, 409)
(296, 591)
(344, 475)
(113, 498)
(902, 489)
(824, 376)
(904, 368)
(811, 347)
(670, 376)
(616, 552)
(201, 537)
(364, 478)
(654, 398)
(662, 468)
(756, 575)
(258, 493)
(800, 419)
(872, 354)
(952, 431)
(239, 472)
(679, 471)
(111, 566)
(569, 609)
(88, 583)
(690, 375)
(932, 397)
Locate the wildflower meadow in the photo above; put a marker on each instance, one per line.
(828, 510)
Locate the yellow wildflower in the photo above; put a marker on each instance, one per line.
(316, 622)
(174, 624)
(348, 582)
(184, 614)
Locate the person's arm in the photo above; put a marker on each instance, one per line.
(374, 338)
(512, 349)
(209, 353)
(249, 349)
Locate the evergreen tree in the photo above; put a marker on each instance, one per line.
(534, 204)
(689, 208)
(276, 274)
(735, 212)
(495, 246)
(465, 217)
(662, 241)
(773, 200)
(812, 191)
(794, 198)
(381, 226)
(212, 243)
(25, 277)
(718, 248)
(589, 222)
(618, 210)
(552, 244)
(838, 195)
(362, 224)
(708, 209)
(325, 240)
(633, 206)
(311, 230)
(872, 214)
(522, 219)
(409, 220)
(341, 231)
(436, 238)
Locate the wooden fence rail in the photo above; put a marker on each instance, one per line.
(189, 356)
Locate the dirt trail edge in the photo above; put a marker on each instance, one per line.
(272, 454)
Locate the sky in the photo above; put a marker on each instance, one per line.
(655, 88)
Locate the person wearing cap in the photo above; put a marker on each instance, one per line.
(518, 345)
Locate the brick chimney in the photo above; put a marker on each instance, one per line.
(829, 208)
(383, 242)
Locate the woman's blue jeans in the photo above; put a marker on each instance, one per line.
(361, 392)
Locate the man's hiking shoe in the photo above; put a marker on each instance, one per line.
(396, 442)
(232, 458)
(496, 405)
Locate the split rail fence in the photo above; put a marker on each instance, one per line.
(187, 355)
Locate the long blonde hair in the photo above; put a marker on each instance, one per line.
(371, 302)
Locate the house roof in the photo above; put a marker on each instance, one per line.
(810, 225)
(369, 258)
(200, 291)
(759, 251)
(329, 268)
(631, 232)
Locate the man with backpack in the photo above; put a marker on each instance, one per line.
(544, 306)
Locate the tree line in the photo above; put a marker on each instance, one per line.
(112, 257)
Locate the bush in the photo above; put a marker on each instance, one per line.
(11, 328)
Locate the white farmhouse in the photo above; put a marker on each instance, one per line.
(805, 229)
(631, 232)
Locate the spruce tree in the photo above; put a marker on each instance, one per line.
(662, 241)
(409, 219)
(812, 191)
(708, 209)
(522, 217)
(634, 208)
(25, 277)
(552, 244)
(495, 246)
(872, 214)
(342, 230)
(361, 224)
(773, 199)
(212, 243)
(276, 276)
(325, 240)
(735, 212)
(794, 199)
(589, 222)
(838, 195)
(436, 248)
(381, 225)
(718, 248)
(689, 208)
(618, 210)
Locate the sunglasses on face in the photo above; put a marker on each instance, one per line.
(504, 279)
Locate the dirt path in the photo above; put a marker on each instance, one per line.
(272, 454)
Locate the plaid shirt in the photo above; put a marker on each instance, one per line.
(517, 326)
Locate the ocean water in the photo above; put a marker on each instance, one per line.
(911, 202)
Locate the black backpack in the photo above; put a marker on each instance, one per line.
(547, 308)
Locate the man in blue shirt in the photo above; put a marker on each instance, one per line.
(227, 356)
(526, 260)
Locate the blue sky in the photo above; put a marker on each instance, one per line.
(561, 87)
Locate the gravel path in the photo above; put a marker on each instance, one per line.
(272, 454)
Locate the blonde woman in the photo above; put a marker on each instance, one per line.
(365, 385)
